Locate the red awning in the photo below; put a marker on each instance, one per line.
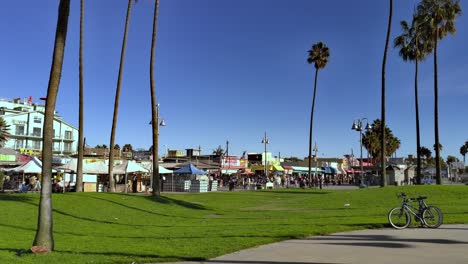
(287, 167)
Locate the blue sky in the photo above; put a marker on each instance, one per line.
(231, 70)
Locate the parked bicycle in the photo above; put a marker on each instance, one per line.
(428, 215)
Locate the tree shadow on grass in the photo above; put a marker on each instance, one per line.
(17, 197)
(167, 200)
(162, 200)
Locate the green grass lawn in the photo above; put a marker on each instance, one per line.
(119, 228)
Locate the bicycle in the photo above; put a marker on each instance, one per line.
(428, 215)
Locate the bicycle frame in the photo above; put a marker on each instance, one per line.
(412, 209)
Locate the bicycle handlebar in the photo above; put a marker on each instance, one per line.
(403, 195)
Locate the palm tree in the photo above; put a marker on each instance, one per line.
(154, 107)
(117, 97)
(463, 151)
(383, 181)
(219, 151)
(4, 131)
(440, 15)
(79, 167)
(413, 48)
(371, 140)
(44, 241)
(425, 152)
(318, 55)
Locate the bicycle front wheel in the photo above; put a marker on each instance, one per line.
(399, 218)
(432, 217)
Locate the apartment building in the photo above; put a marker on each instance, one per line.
(26, 120)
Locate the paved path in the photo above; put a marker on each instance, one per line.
(447, 244)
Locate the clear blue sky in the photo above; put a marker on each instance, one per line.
(231, 70)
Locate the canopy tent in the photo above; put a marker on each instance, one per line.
(32, 166)
(190, 169)
(98, 167)
(129, 166)
(149, 166)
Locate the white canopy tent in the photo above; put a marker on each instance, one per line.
(98, 167)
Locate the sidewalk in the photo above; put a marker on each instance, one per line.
(446, 244)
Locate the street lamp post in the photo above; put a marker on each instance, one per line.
(265, 141)
(315, 149)
(155, 152)
(358, 127)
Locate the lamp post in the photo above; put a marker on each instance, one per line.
(315, 149)
(357, 125)
(155, 153)
(265, 141)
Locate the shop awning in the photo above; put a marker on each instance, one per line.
(256, 167)
(306, 169)
(277, 168)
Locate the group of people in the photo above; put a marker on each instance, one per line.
(30, 184)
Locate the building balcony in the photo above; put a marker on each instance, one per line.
(26, 135)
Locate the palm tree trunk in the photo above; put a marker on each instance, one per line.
(418, 136)
(311, 125)
(154, 108)
(44, 234)
(383, 181)
(79, 168)
(436, 115)
(116, 103)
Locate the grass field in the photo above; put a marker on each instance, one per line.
(119, 228)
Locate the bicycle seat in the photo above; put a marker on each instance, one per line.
(422, 197)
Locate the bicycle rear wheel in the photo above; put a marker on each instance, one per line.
(399, 218)
(432, 217)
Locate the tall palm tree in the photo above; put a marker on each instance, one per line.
(44, 240)
(154, 107)
(440, 15)
(414, 48)
(463, 151)
(383, 181)
(318, 55)
(79, 168)
(117, 98)
(4, 131)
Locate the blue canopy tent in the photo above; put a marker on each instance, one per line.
(190, 169)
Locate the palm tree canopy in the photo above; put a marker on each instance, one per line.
(4, 131)
(371, 140)
(319, 55)
(440, 15)
(218, 151)
(425, 152)
(411, 42)
(464, 149)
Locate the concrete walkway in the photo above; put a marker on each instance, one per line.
(446, 244)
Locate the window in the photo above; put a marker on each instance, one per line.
(36, 144)
(19, 144)
(56, 146)
(67, 147)
(37, 132)
(68, 135)
(19, 130)
(37, 120)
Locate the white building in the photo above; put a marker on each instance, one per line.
(26, 122)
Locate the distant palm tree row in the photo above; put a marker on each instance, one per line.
(432, 21)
